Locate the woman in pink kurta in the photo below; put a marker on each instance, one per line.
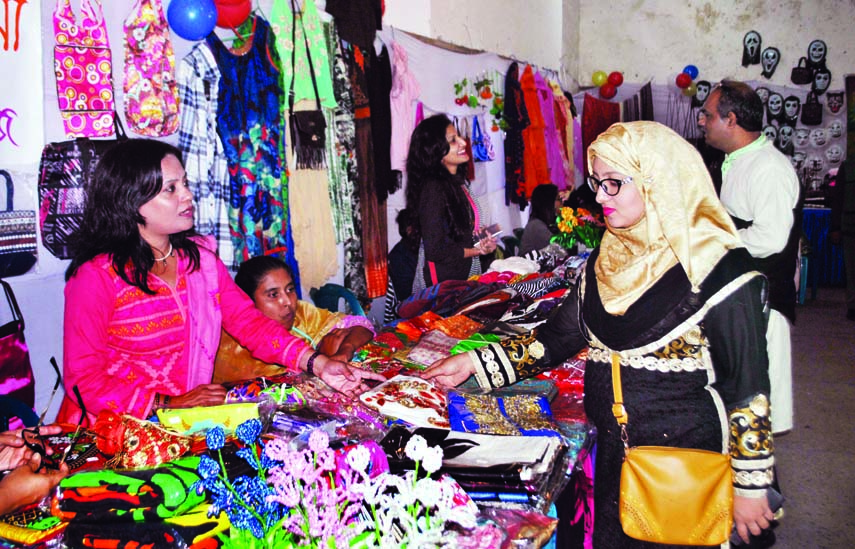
(146, 298)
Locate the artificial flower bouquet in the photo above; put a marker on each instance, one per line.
(579, 225)
(317, 497)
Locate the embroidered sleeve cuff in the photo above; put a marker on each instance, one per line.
(751, 448)
(511, 360)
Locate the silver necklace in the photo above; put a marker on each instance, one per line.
(166, 256)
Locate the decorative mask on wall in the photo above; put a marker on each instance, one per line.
(774, 108)
(817, 50)
(785, 140)
(798, 159)
(769, 60)
(821, 81)
(818, 137)
(792, 106)
(751, 48)
(771, 133)
(763, 93)
(801, 137)
(835, 129)
(814, 163)
(834, 101)
(703, 91)
(834, 154)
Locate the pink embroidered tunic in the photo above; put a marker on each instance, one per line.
(122, 346)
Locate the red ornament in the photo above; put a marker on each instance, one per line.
(232, 13)
(607, 91)
(615, 78)
(683, 80)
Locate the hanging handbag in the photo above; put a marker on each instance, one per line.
(151, 91)
(812, 110)
(16, 373)
(308, 128)
(482, 147)
(17, 235)
(801, 74)
(64, 173)
(672, 495)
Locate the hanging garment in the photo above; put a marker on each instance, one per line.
(151, 92)
(564, 124)
(204, 157)
(535, 166)
(405, 92)
(311, 31)
(343, 173)
(379, 81)
(84, 70)
(516, 116)
(550, 132)
(597, 116)
(249, 124)
(357, 20)
(374, 237)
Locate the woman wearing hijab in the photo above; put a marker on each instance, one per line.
(670, 292)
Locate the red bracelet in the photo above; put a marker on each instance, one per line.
(310, 365)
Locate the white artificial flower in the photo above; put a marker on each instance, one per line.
(428, 491)
(415, 447)
(359, 458)
(432, 459)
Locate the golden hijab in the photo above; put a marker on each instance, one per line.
(684, 221)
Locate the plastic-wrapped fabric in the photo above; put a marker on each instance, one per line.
(433, 346)
(515, 414)
(411, 399)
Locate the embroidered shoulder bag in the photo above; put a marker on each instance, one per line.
(670, 495)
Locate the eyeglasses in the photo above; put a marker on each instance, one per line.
(610, 185)
(35, 441)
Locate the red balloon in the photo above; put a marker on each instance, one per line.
(232, 13)
(683, 80)
(608, 90)
(615, 78)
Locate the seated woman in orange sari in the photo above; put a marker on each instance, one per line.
(268, 281)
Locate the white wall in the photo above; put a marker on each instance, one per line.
(644, 38)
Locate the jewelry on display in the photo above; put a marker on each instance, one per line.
(165, 257)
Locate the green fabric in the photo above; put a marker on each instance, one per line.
(474, 342)
(729, 158)
(282, 20)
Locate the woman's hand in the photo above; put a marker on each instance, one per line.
(340, 344)
(14, 453)
(751, 515)
(487, 245)
(451, 371)
(343, 378)
(24, 486)
(210, 394)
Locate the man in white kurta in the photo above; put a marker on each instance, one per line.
(760, 190)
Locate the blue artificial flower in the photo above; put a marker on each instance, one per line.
(208, 468)
(249, 430)
(248, 454)
(215, 438)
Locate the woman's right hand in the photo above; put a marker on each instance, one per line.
(451, 371)
(211, 394)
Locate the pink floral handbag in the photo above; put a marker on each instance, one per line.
(84, 70)
(151, 91)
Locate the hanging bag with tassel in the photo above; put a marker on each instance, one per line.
(308, 128)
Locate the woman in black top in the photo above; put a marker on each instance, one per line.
(448, 217)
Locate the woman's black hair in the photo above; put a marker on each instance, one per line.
(428, 146)
(127, 176)
(252, 270)
(543, 203)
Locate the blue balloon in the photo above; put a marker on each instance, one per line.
(192, 19)
(691, 70)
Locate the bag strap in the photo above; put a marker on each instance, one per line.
(13, 303)
(294, 13)
(10, 190)
(617, 407)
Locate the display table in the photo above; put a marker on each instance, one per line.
(825, 264)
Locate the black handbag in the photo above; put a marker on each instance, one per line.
(64, 173)
(17, 235)
(812, 110)
(308, 128)
(801, 73)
